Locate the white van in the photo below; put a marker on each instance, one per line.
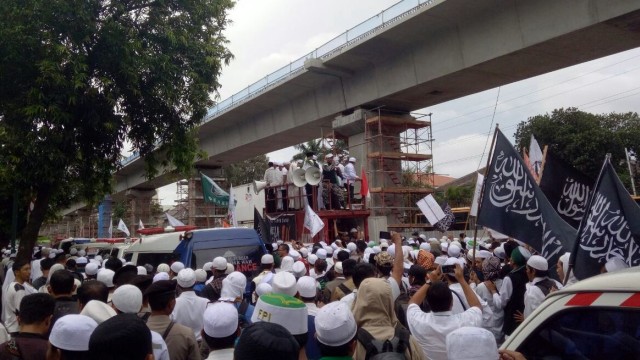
(597, 318)
(153, 249)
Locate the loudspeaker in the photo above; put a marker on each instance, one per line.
(299, 179)
(313, 175)
(259, 186)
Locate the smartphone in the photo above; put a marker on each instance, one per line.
(448, 269)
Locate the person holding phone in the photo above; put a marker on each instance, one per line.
(431, 329)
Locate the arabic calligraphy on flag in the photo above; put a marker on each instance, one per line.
(513, 204)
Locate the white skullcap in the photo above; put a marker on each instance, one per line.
(456, 243)
(98, 311)
(312, 259)
(201, 275)
(220, 320)
(163, 268)
(279, 242)
(335, 324)
(441, 260)
(219, 263)
(328, 156)
(321, 254)
(306, 287)
(337, 267)
(352, 247)
(73, 251)
(284, 283)
(425, 246)
(263, 288)
(484, 254)
(451, 261)
(329, 250)
(233, 286)
(392, 250)
(160, 276)
(82, 253)
(500, 253)
(287, 263)
(423, 237)
(141, 270)
(525, 253)
(304, 252)
(105, 276)
(538, 262)
(294, 254)
(482, 340)
(444, 246)
(52, 255)
(81, 260)
(72, 332)
(334, 246)
(615, 264)
(91, 268)
(98, 258)
(186, 278)
(352, 159)
(299, 269)
(411, 241)
(177, 266)
(266, 259)
(284, 310)
(127, 298)
(230, 268)
(207, 266)
(376, 249)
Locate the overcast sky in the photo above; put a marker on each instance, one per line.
(266, 35)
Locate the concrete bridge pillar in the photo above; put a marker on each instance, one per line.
(139, 202)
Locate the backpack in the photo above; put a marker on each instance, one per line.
(392, 349)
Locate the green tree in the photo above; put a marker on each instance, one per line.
(315, 146)
(583, 139)
(79, 78)
(246, 171)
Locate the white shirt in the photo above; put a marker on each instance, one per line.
(533, 295)
(13, 296)
(350, 173)
(224, 354)
(159, 347)
(487, 314)
(506, 290)
(431, 329)
(494, 323)
(189, 311)
(36, 271)
(273, 177)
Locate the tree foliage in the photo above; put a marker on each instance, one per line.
(583, 139)
(320, 148)
(246, 171)
(79, 78)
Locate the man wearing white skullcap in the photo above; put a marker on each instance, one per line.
(484, 344)
(233, 287)
(220, 330)
(460, 303)
(175, 269)
(431, 329)
(336, 330)
(219, 268)
(189, 306)
(350, 176)
(266, 267)
(284, 283)
(539, 286)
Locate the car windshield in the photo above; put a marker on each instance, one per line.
(586, 333)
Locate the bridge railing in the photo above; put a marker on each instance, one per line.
(355, 34)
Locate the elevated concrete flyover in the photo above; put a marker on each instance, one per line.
(435, 52)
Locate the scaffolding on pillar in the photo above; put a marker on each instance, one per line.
(194, 209)
(400, 165)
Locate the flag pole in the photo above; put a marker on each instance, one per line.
(544, 161)
(633, 185)
(576, 244)
(484, 183)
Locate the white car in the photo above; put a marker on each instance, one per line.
(597, 318)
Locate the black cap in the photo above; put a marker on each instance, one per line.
(124, 275)
(266, 341)
(123, 336)
(161, 287)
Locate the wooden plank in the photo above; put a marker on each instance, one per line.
(400, 190)
(399, 156)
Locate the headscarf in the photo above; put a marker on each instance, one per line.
(425, 259)
(491, 268)
(373, 308)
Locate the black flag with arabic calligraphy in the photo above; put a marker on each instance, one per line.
(262, 227)
(513, 204)
(449, 219)
(611, 228)
(567, 189)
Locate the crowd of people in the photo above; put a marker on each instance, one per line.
(414, 298)
(335, 192)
